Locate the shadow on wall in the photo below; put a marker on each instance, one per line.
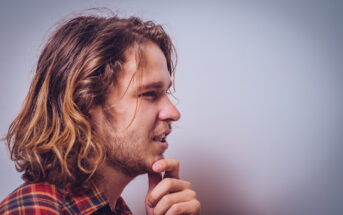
(216, 184)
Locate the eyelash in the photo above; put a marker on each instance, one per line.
(153, 94)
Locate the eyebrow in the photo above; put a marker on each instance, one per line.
(153, 85)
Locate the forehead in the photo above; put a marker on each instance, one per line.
(145, 64)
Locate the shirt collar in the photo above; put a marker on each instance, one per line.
(90, 201)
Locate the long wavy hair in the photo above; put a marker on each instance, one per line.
(52, 138)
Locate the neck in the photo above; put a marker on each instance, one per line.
(111, 183)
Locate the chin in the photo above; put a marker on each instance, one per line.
(158, 157)
(153, 159)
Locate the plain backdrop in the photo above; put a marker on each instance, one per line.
(259, 85)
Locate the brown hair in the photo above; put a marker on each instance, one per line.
(52, 138)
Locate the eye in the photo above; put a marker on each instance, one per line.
(149, 95)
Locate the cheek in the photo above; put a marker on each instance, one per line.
(147, 115)
(144, 124)
(125, 117)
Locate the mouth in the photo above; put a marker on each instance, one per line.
(161, 139)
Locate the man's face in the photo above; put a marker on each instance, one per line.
(137, 116)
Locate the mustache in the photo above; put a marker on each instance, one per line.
(167, 127)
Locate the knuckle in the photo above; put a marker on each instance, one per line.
(163, 164)
(157, 211)
(188, 184)
(197, 205)
(193, 194)
(152, 197)
(168, 182)
(163, 204)
(167, 199)
(176, 209)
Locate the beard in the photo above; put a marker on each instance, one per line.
(125, 152)
(130, 151)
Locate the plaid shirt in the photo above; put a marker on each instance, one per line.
(44, 198)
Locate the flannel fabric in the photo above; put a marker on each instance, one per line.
(44, 198)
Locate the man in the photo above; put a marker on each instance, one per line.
(97, 115)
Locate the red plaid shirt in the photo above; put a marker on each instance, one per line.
(44, 198)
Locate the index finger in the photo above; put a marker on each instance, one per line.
(168, 165)
(154, 179)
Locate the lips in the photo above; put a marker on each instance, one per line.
(161, 139)
(162, 136)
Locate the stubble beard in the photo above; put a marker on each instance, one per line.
(125, 153)
(125, 150)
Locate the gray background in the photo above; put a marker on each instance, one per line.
(260, 91)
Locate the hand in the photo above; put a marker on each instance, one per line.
(169, 195)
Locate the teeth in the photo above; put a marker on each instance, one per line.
(161, 137)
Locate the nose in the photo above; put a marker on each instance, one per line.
(168, 111)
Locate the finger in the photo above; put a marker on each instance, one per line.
(170, 199)
(168, 165)
(166, 186)
(154, 179)
(191, 207)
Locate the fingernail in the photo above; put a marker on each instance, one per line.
(156, 166)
